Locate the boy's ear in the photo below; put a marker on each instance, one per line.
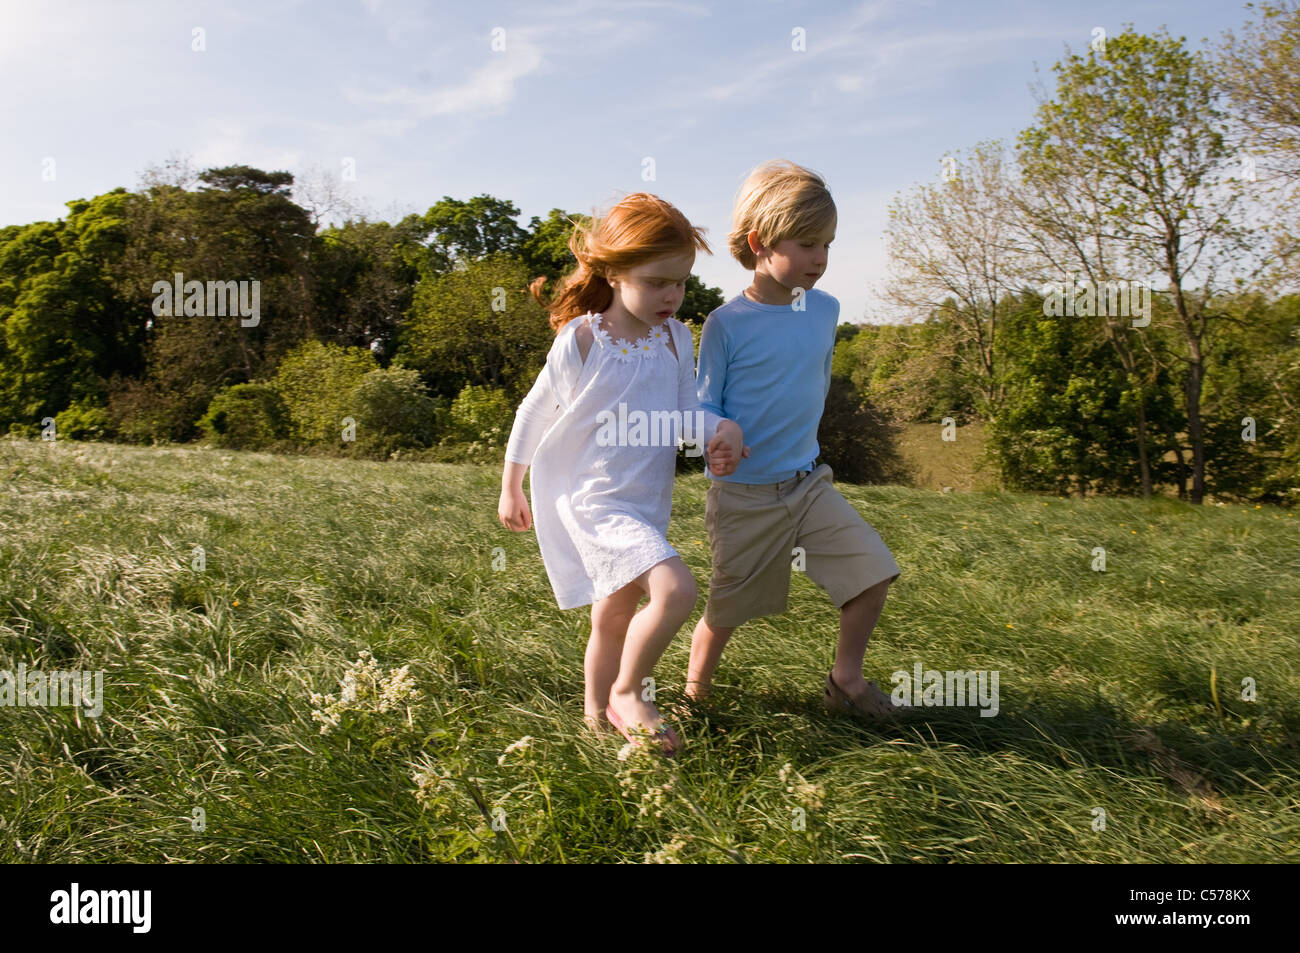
(755, 245)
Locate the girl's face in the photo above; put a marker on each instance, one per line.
(797, 262)
(653, 291)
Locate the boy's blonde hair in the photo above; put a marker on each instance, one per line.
(782, 200)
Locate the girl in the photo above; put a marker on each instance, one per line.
(602, 482)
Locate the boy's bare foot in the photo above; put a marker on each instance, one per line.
(695, 692)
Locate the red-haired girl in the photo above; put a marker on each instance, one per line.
(600, 429)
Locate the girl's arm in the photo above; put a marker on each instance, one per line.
(688, 402)
(534, 417)
(537, 411)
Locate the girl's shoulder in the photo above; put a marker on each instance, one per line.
(680, 334)
(564, 349)
(582, 336)
(573, 329)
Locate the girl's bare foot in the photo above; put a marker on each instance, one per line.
(632, 710)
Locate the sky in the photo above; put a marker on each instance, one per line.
(565, 104)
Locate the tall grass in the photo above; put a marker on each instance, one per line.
(1120, 690)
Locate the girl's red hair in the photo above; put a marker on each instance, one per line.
(638, 229)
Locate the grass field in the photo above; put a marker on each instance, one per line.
(935, 464)
(1120, 691)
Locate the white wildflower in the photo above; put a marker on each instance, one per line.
(520, 745)
(364, 688)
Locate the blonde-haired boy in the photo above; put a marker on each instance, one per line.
(765, 362)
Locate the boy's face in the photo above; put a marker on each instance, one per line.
(794, 262)
(653, 291)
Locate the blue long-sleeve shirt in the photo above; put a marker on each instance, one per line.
(768, 368)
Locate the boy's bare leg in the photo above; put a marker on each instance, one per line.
(707, 644)
(858, 619)
(672, 592)
(609, 621)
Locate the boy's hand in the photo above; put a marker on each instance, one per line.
(513, 510)
(726, 449)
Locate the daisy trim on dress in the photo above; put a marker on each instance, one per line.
(626, 350)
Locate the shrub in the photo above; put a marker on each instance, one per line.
(84, 420)
(479, 419)
(393, 411)
(857, 439)
(246, 417)
(317, 383)
(140, 413)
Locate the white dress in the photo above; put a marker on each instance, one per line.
(601, 493)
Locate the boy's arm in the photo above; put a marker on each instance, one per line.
(830, 352)
(829, 355)
(712, 376)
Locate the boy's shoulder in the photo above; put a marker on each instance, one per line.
(815, 300)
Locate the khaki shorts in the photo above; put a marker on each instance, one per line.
(753, 532)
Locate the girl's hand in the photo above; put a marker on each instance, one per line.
(513, 510)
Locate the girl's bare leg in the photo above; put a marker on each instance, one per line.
(672, 592)
(609, 621)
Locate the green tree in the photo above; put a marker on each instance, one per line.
(1257, 376)
(545, 251)
(912, 372)
(364, 278)
(461, 232)
(241, 225)
(66, 329)
(1127, 177)
(1067, 419)
(476, 325)
(393, 411)
(246, 417)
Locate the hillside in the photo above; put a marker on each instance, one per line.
(1120, 691)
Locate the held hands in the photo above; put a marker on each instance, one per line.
(726, 449)
(512, 511)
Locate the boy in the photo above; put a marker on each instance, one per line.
(765, 362)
